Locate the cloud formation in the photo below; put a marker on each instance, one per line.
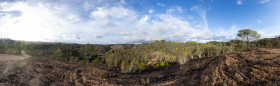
(239, 2)
(99, 23)
(264, 1)
(160, 4)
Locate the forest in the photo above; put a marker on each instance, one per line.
(132, 58)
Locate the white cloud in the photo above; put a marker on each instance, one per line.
(202, 14)
(160, 4)
(193, 7)
(122, 1)
(264, 1)
(151, 11)
(269, 32)
(169, 11)
(35, 23)
(111, 12)
(179, 9)
(199, 26)
(105, 24)
(239, 2)
(223, 34)
(99, 13)
(86, 6)
(143, 21)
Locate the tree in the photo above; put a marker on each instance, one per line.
(58, 53)
(248, 35)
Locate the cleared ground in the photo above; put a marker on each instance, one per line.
(252, 67)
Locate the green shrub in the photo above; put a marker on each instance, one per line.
(124, 66)
(181, 68)
(148, 80)
(58, 53)
(102, 60)
(196, 67)
(167, 65)
(138, 57)
(51, 56)
(116, 62)
(162, 64)
(136, 62)
(156, 66)
(142, 66)
(168, 54)
(83, 61)
(145, 81)
(96, 60)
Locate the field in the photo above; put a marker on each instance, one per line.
(259, 66)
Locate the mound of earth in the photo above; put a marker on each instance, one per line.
(251, 67)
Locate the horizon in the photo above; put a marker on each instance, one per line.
(132, 22)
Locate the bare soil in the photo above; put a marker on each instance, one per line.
(252, 67)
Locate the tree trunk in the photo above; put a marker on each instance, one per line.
(247, 41)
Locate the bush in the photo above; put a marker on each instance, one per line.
(102, 60)
(162, 64)
(116, 62)
(182, 59)
(132, 68)
(181, 68)
(51, 56)
(96, 60)
(167, 65)
(147, 81)
(142, 66)
(169, 54)
(124, 66)
(196, 67)
(136, 62)
(156, 66)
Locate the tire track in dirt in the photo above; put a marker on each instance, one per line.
(251, 67)
(237, 68)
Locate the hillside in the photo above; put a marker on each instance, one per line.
(251, 67)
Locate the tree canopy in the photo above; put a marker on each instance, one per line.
(248, 35)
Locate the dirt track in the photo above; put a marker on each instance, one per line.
(254, 67)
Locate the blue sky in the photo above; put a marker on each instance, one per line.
(136, 21)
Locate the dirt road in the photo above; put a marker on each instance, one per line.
(252, 67)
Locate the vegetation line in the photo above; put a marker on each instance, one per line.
(133, 58)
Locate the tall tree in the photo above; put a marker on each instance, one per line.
(248, 35)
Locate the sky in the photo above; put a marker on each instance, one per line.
(136, 21)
